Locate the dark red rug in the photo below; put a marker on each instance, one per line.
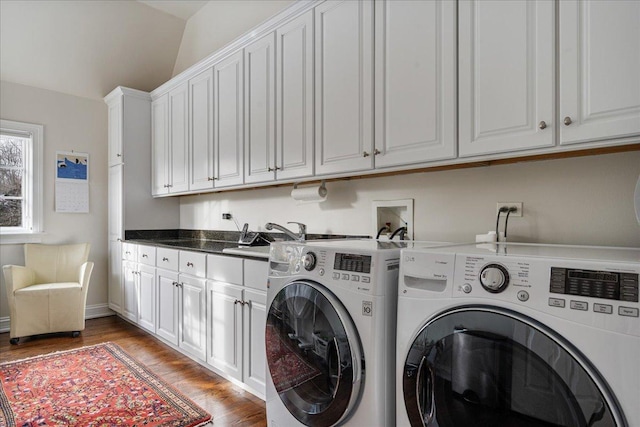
(286, 367)
(99, 385)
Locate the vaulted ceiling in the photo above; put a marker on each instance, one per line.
(87, 48)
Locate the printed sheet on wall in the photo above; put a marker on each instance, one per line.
(72, 182)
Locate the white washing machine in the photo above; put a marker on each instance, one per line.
(518, 335)
(330, 334)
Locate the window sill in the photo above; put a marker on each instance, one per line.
(18, 238)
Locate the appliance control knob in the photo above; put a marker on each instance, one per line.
(309, 261)
(494, 278)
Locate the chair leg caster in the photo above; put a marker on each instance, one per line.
(14, 341)
(75, 334)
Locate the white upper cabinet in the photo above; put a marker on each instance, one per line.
(416, 81)
(228, 120)
(178, 138)
(160, 145)
(599, 70)
(344, 86)
(294, 98)
(506, 75)
(201, 131)
(116, 108)
(259, 118)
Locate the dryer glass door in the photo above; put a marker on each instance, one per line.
(482, 366)
(313, 353)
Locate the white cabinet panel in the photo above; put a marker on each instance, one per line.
(506, 75)
(147, 255)
(178, 144)
(228, 120)
(201, 131)
(167, 319)
(259, 59)
(147, 297)
(344, 86)
(116, 211)
(225, 269)
(193, 263)
(130, 291)
(115, 276)
(415, 81)
(193, 314)
(294, 98)
(160, 146)
(254, 352)
(167, 258)
(225, 328)
(256, 274)
(115, 148)
(599, 70)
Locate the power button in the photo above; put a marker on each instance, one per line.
(466, 288)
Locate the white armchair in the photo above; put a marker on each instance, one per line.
(49, 293)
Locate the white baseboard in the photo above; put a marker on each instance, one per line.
(91, 312)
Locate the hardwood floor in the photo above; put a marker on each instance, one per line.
(228, 404)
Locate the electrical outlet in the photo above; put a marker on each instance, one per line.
(226, 216)
(517, 205)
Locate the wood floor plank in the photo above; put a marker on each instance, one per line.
(228, 404)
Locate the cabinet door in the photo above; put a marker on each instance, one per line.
(116, 211)
(160, 145)
(178, 134)
(224, 315)
(506, 75)
(201, 131)
(415, 81)
(228, 113)
(599, 70)
(259, 119)
(116, 118)
(294, 98)
(130, 290)
(192, 312)
(147, 297)
(254, 323)
(115, 275)
(167, 314)
(344, 86)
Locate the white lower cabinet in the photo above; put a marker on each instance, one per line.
(224, 314)
(130, 290)
(167, 303)
(139, 286)
(254, 320)
(147, 297)
(192, 312)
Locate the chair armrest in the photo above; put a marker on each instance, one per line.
(85, 274)
(17, 277)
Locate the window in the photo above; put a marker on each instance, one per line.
(20, 182)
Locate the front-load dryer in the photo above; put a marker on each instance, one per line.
(330, 334)
(518, 335)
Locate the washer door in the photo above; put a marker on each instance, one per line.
(487, 366)
(314, 355)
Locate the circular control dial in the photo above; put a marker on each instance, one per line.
(494, 278)
(309, 261)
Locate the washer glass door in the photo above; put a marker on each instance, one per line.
(313, 354)
(487, 366)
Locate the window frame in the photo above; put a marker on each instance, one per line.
(32, 229)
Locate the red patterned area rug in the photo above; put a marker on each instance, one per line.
(99, 385)
(286, 367)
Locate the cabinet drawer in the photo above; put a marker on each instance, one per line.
(167, 258)
(193, 263)
(129, 252)
(224, 269)
(255, 274)
(147, 255)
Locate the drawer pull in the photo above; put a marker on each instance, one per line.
(145, 256)
(189, 264)
(164, 258)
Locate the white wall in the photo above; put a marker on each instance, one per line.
(587, 201)
(218, 23)
(70, 123)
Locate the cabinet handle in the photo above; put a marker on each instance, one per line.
(169, 185)
(119, 239)
(376, 152)
(145, 256)
(118, 155)
(189, 264)
(210, 178)
(128, 253)
(174, 283)
(365, 154)
(275, 168)
(165, 259)
(237, 302)
(542, 125)
(180, 285)
(166, 186)
(567, 121)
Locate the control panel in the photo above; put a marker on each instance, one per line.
(595, 284)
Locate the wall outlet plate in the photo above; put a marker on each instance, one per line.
(517, 205)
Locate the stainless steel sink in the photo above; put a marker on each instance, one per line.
(254, 251)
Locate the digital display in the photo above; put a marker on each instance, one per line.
(596, 284)
(354, 263)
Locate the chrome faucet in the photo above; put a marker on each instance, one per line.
(302, 233)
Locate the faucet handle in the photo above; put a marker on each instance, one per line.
(302, 227)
